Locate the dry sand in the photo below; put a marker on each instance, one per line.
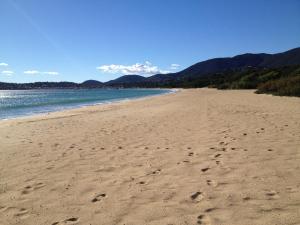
(195, 157)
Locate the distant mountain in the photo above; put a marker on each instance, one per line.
(51, 85)
(91, 84)
(288, 58)
(161, 78)
(219, 72)
(277, 74)
(212, 67)
(219, 65)
(38, 85)
(134, 79)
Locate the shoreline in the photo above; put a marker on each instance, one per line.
(199, 156)
(170, 91)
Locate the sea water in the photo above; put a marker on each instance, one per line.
(16, 103)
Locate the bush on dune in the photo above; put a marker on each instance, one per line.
(288, 86)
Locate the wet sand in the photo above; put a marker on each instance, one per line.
(198, 156)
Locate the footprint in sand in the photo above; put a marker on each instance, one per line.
(210, 210)
(223, 149)
(217, 155)
(155, 172)
(272, 195)
(30, 188)
(291, 189)
(56, 145)
(197, 196)
(246, 198)
(22, 212)
(2, 208)
(202, 219)
(14, 211)
(212, 183)
(98, 197)
(205, 169)
(191, 154)
(72, 220)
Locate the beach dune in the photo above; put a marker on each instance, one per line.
(199, 156)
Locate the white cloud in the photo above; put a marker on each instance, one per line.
(51, 73)
(36, 72)
(139, 69)
(174, 66)
(7, 72)
(32, 72)
(3, 64)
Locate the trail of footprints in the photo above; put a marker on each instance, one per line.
(75, 220)
(204, 219)
(21, 212)
(14, 211)
(195, 197)
(198, 196)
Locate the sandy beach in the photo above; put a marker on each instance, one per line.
(198, 156)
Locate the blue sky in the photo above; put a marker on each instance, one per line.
(68, 40)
